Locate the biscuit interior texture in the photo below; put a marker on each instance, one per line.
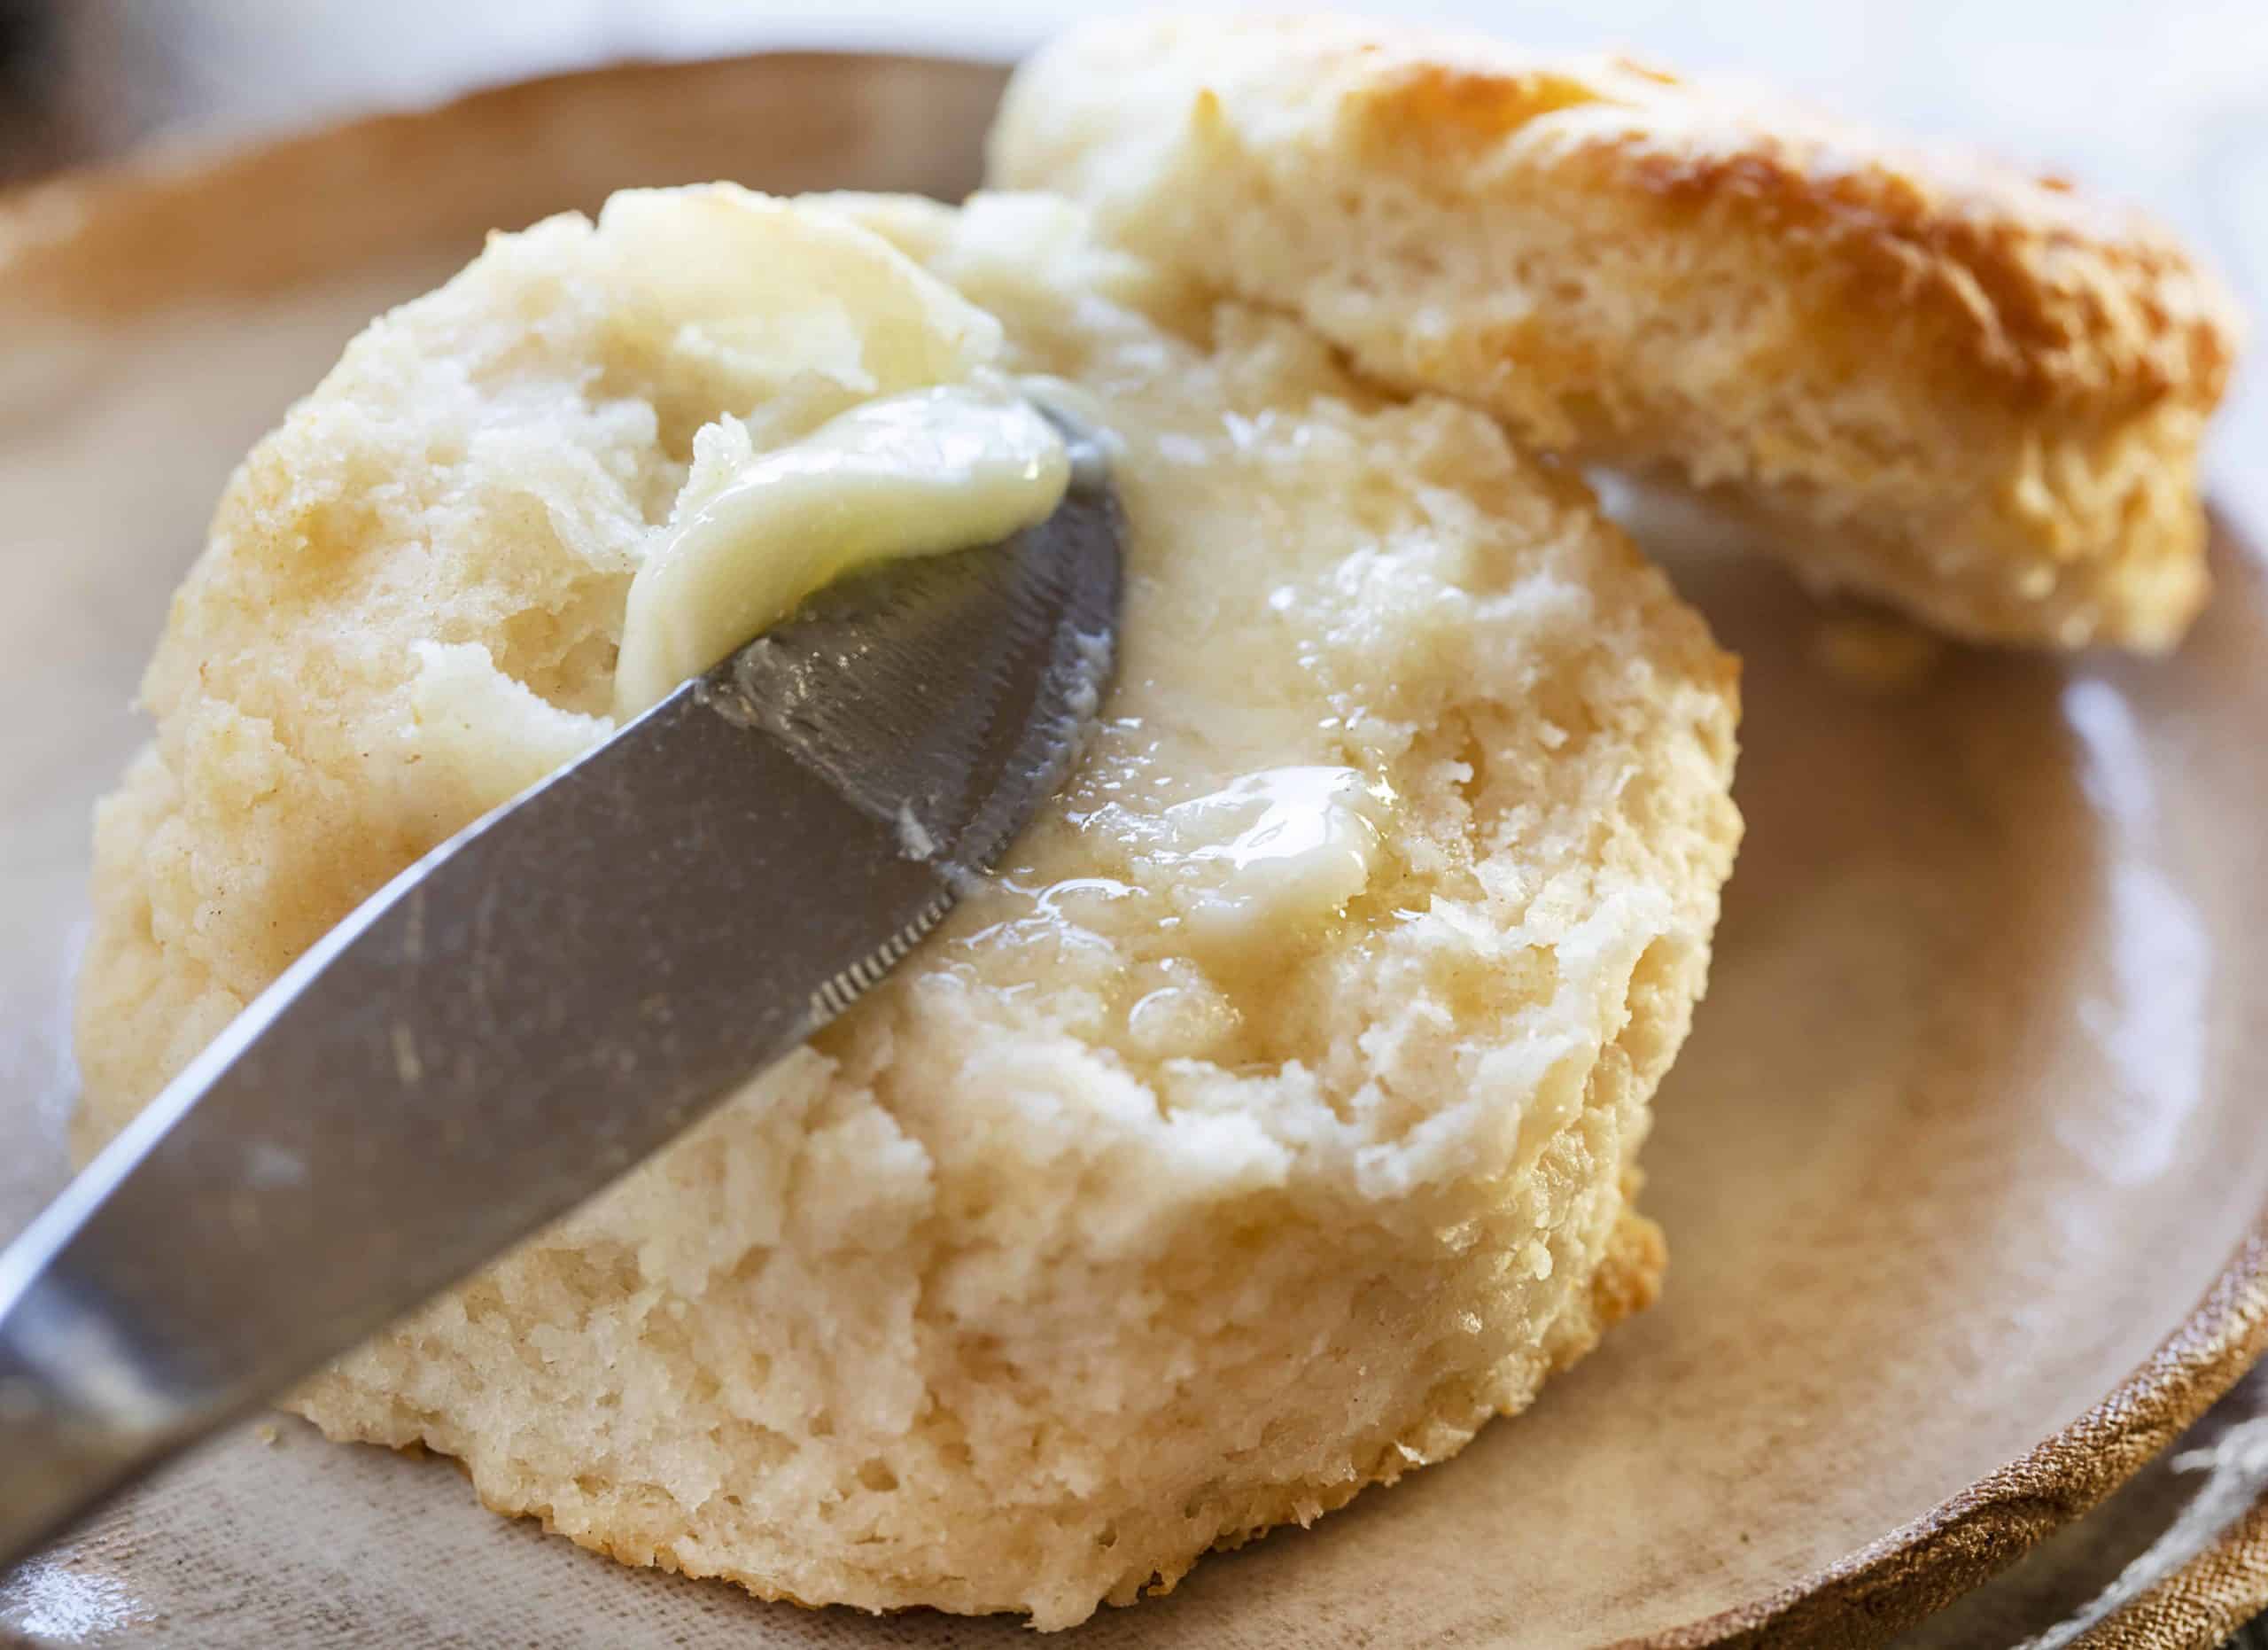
(1266, 1123)
(1939, 381)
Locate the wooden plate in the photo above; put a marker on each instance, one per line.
(1962, 1169)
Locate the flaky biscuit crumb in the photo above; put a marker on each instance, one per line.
(1115, 1226)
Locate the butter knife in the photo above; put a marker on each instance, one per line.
(547, 998)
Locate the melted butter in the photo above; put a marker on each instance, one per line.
(913, 474)
(1276, 852)
(1174, 1019)
(1268, 860)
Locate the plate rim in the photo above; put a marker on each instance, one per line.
(51, 234)
(1913, 1571)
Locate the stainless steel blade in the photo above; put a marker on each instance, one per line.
(549, 998)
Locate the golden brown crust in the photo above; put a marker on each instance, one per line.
(2045, 295)
(1629, 1278)
(1942, 381)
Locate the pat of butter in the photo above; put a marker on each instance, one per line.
(915, 474)
(1276, 852)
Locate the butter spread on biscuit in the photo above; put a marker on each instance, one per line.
(1276, 852)
(914, 474)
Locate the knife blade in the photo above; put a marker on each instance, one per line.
(549, 997)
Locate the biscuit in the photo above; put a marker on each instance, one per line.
(1941, 382)
(1179, 1186)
